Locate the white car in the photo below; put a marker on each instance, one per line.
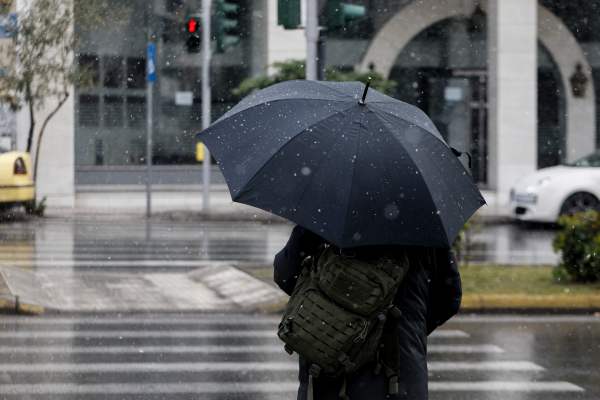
(564, 189)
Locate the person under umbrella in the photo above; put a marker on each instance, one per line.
(372, 176)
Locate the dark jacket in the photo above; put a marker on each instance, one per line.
(433, 295)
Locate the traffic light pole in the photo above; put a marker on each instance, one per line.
(206, 98)
(150, 77)
(312, 40)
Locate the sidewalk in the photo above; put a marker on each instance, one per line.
(216, 287)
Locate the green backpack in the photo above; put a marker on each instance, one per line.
(336, 316)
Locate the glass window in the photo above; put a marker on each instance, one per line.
(113, 111)
(92, 62)
(89, 110)
(113, 71)
(592, 160)
(136, 73)
(136, 111)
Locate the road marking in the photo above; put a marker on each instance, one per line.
(445, 333)
(140, 349)
(504, 386)
(113, 264)
(149, 367)
(459, 348)
(233, 319)
(448, 334)
(542, 319)
(150, 388)
(136, 334)
(208, 349)
(484, 366)
(262, 387)
(241, 366)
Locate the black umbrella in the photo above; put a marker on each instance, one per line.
(356, 173)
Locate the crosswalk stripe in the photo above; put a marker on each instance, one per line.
(446, 333)
(262, 387)
(230, 319)
(241, 366)
(541, 319)
(503, 386)
(112, 264)
(458, 348)
(136, 334)
(149, 367)
(149, 388)
(207, 349)
(484, 366)
(141, 349)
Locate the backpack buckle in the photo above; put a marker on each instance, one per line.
(345, 361)
(314, 370)
(288, 349)
(395, 311)
(287, 325)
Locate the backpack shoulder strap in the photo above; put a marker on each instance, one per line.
(389, 354)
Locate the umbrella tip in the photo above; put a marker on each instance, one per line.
(365, 92)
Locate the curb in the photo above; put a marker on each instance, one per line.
(16, 307)
(507, 302)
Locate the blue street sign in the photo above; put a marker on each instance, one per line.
(8, 26)
(151, 65)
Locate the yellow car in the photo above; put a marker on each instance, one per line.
(16, 185)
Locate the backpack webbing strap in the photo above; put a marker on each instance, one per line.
(390, 354)
(310, 395)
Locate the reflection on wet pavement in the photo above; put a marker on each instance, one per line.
(155, 246)
(137, 244)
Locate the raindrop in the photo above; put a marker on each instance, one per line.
(391, 212)
(306, 171)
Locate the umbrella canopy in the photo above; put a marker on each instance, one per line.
(356, 174)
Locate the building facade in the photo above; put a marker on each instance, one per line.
(514, 82)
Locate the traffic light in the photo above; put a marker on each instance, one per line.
(338, 13)
(288, 13)
(226, 25)
(193, 29)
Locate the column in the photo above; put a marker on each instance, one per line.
(512, 101)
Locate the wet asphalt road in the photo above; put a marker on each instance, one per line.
(240, 357)
(207, 356)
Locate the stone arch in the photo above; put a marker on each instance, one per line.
(581, 111)
(401, 28)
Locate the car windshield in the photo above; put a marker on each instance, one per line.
(592, 160)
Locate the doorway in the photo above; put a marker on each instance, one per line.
(456, 102)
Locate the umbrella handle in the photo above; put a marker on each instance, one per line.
(365, 92)
(460, 153)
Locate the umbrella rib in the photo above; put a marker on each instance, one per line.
(314, 174)
(335, 90)
(421, 175)
(377, 112)
(245, 144)
(218, 122)
(287, 143)
(362, 114)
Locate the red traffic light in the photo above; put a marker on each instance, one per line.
(192, 25)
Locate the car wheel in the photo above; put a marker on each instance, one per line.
(579, 202)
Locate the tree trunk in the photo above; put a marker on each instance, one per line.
(31, 129)
(39, 140)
